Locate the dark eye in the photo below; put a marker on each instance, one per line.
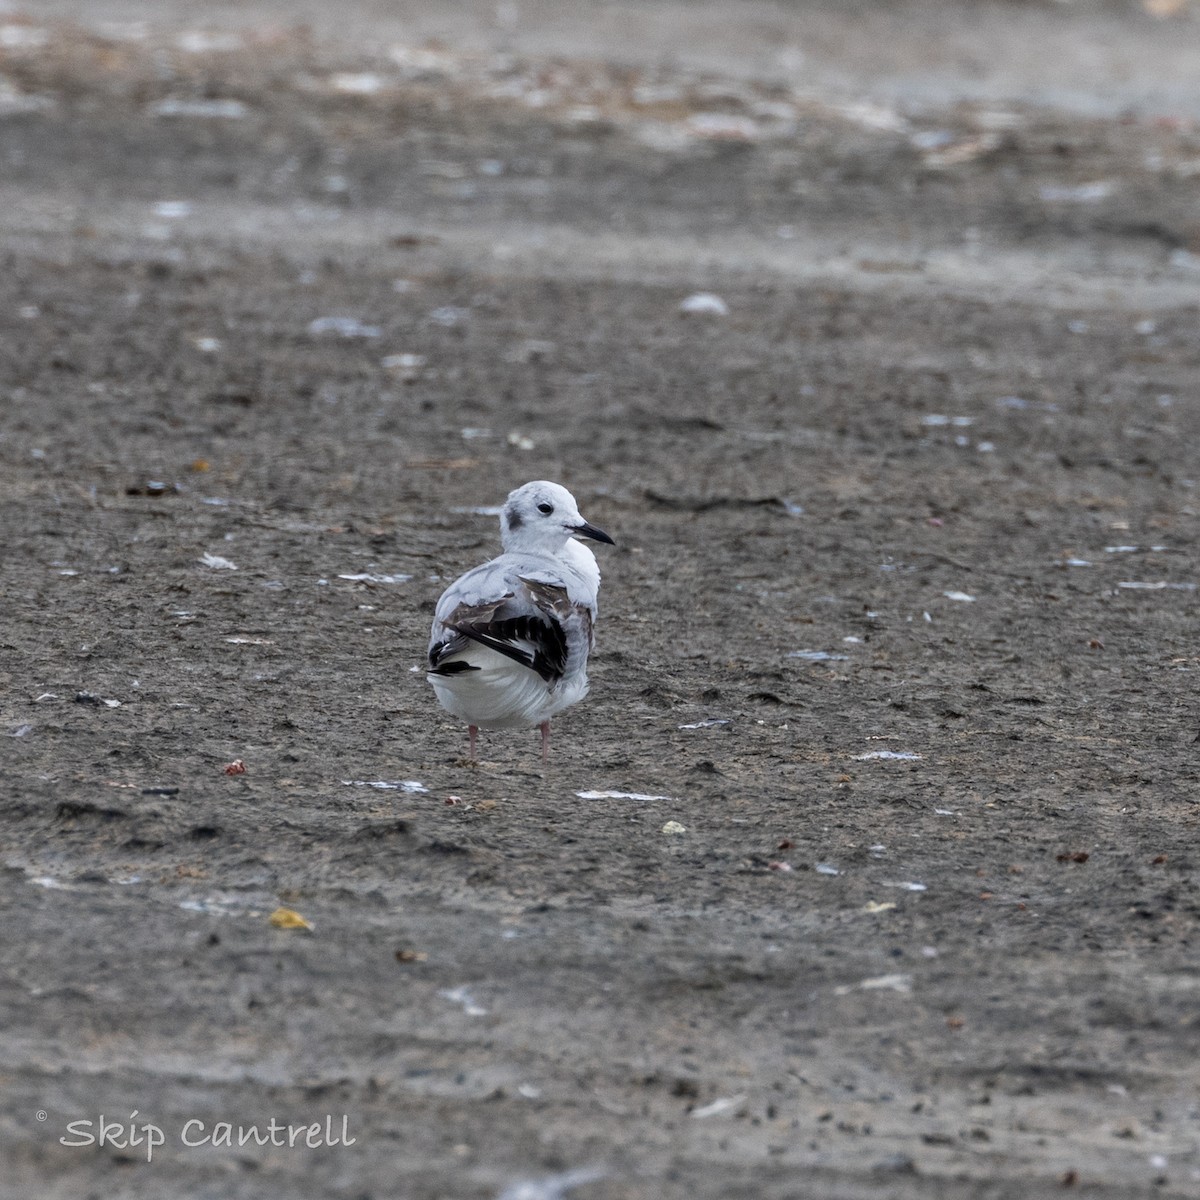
(545, 508)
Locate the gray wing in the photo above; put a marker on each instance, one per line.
(532, 621)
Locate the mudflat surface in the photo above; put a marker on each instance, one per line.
(900, 626)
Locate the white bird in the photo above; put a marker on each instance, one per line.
(511, 638)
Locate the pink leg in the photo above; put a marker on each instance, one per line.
(472, 733)
(545, 728)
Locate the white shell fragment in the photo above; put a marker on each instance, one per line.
(347, 327)
(608, 795)
(220, 110)
(1158, 585)
(717, 1107)
(462, 995)
(386, 785)
(369, 577)
(880, 983)
(216, 562)
(704, 303)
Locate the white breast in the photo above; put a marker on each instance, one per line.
(502, 694)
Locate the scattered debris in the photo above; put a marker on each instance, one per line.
(1159, 585)
(722, 127)
(826, 869)
(1072, 856)
(906, 884)
(960, 597)
(876, 906)
(889, 755)
(880, 983)
(710, 723)
(368, 577)
(551, 1187)
(216, 562)
(346, 327)
(462, 995)
(22, 37)
(619, 796)
(356, 83)
(237, 767)
(704, 303)
(939, 157)
(385, 785)
(218, 110)
(674, 827)
(411, 956)
(717, 1107)
(818, 656)
(207, 41)
(1082, 193)
(288, 918)
(172, 210)
(407, 367)
(785, 867)
(160, 791)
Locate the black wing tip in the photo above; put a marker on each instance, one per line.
(457, 667)
(548, 659)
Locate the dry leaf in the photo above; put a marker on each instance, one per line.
(1162, 9)
(288, 918)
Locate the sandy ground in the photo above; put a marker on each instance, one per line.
(900, 626)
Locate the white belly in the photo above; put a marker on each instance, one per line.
(502, 694)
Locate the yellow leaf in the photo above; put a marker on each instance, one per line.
(1162, 9)
(288, 918)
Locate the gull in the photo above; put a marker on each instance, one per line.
(511, 638)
